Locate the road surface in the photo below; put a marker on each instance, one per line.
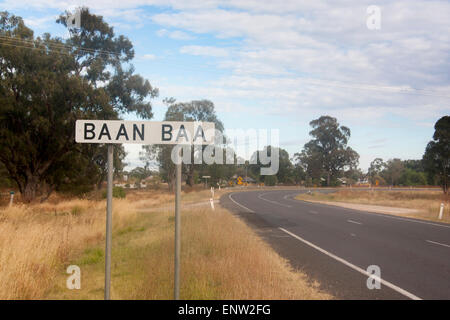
(335, 245)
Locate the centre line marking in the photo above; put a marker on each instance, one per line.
(440, 244)
(313, 212)
(355, 222)
(354, 267)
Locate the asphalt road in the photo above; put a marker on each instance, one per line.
(335, 245)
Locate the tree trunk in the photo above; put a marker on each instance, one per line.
(171, 180)
(31, 188)
(190, 175)
(328, 178)
(190, 180)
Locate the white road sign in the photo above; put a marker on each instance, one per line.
(144, 132)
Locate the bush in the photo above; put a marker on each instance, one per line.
(270, 180)
(118, 192)
(413, 178)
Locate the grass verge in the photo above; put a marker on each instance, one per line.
(222, 258)
(426, 202)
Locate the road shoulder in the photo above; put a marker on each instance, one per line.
(367, 207)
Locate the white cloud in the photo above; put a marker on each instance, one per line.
(149, 56)
(41, 22)
(176, 34)
(204, 51)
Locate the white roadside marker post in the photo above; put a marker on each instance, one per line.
(11, 198)
(441, 211)
(211, 200)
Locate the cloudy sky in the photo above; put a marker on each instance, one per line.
(280, 64)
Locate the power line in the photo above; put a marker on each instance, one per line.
(34, 44)
(18, 42)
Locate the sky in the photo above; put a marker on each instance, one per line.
(281, 64)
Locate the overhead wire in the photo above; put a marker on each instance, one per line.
(35, 44)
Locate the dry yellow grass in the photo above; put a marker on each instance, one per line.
(222, 258)
(426, 202)
(36, 240)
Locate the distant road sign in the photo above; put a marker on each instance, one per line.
(144, 132)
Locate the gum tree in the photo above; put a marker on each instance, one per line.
(48, 83)
(437, 153)
(327, 153)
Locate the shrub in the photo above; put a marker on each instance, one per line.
(118, 192)
(270, 180)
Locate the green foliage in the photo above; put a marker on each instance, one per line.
(5, 182)
(118, 192)
(197, 110)
(270, 180)
(411, 177)
(140, 173)
(437, 154)
(327, 154)
(47, 84)
(286, 169)
(91, 256)
(394, 169)
(76, 211)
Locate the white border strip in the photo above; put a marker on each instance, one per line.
(240, 205)
(384, 282)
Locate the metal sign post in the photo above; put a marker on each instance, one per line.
(109, 222)
(143, 132)
(177, 227)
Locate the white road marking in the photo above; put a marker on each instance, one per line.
(355, 222)
(441, 244)
(353, 235)
(275, 202)
(312, 211)
(354, 267)
(240, 205)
